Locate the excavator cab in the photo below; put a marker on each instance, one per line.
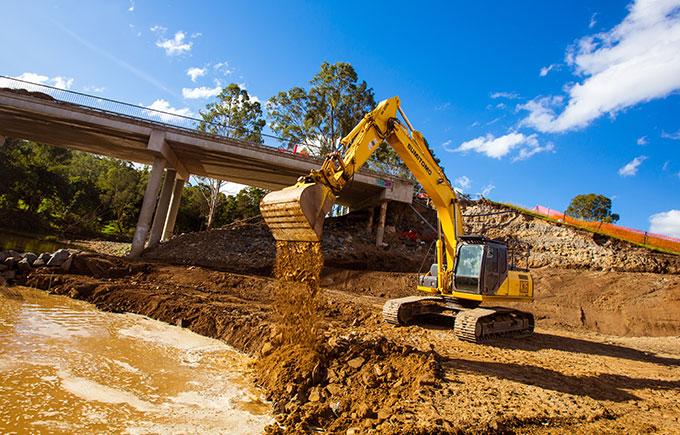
(481, 265)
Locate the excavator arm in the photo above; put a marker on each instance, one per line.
(467, 274)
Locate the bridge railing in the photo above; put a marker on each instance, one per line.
(181, 118)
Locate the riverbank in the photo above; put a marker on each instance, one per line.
(370, 376)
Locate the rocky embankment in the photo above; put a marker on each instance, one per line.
(557, 245)
(15, 265)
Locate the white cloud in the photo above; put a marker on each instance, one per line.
(642, 140)
(593, 21)
(507, 95)
(442, 107)
(665, 165)
(631, 168)
(164, 106)
(223, 68)
(672, 136)
(158, 29)
(486, 190)
(57, 81)
(229, 188)
(635, 62)
(666, 223)
(498, 147)
(532, 149)
(462, 183)
(546, 69)
(94, 89)
(201, 92)
(176, 45)
(196, 72)
(132, 6)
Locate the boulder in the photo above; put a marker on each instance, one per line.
(24, 266)
(58, 258)
(3, 267)
(3, 256)
(66, 265)
(10, 262)
(9, 274)
(30, 257)
(45, 257)
(38, 263)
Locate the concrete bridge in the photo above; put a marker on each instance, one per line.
(48, 115)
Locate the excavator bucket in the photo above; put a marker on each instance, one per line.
(296, 213)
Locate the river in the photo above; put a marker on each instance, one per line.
(66, 367)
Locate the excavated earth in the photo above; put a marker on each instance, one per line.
(605, 357)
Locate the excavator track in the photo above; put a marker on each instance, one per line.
(480, 324)
(402, 310)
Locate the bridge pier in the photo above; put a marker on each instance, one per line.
(380, 232)
(2, 140)
(148, 206)
(162, 208)
(174, 208)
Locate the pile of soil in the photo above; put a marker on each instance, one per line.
(250, 248)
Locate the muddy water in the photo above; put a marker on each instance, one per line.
(66, 367)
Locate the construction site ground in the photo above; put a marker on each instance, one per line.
(605, 357)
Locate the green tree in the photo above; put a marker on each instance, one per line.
(122, 191)
(592, 207)
(335, 103)
(234, 115)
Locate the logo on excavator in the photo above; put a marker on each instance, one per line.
(419, 159)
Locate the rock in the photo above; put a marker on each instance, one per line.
(266, 349)
(58, 258)
(356, 362)
(45, 257)
(315, 395)
(9, 274)
(3, 283)
(10, 262)
(24, 266)
(3, 267)
(30, 257)
(38, 263)
(353, 431)
(3, 256)
(66, 265)
(334, 389)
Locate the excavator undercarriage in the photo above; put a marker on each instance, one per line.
(473, 324)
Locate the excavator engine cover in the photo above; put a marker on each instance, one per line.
(297, 213)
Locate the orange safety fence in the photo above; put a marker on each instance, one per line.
(632, 235)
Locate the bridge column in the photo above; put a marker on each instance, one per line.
(162, 208)
(148, 205)
(369, 224)
(2, 140)
(174, 208)
(380, 233)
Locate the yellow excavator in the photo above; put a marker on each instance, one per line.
(470, 270)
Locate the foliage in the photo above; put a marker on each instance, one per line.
(335, 102)
(592, 207)
(234, 115)
(55, 190)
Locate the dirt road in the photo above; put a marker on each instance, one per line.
(415, 379)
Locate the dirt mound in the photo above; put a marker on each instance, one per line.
(250, 248)
(358, 380)
(558, 245)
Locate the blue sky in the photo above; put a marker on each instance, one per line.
(530, 102)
